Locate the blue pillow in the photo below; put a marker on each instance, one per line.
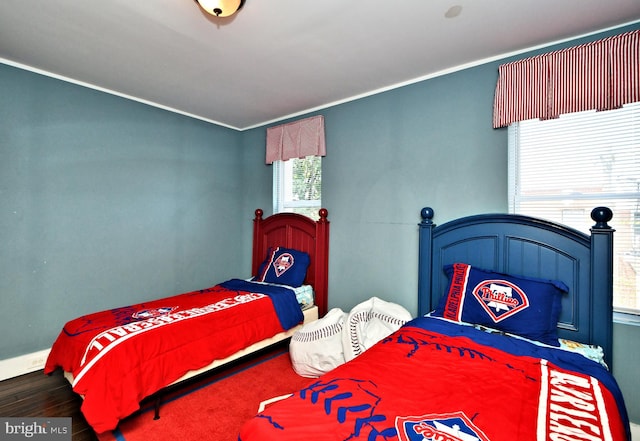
(519, 305)
(285, 266)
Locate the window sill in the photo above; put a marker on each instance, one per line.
(626, 318)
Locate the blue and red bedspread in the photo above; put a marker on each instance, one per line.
(437, 380)
(120, 356)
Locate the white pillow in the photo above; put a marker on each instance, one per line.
(368, 323)
(316, 348)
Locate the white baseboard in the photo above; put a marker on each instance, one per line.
(635, 432)
(24, 364)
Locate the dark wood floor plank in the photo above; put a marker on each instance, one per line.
(39, 395)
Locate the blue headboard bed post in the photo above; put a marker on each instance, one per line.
(533, 247)
(602, 280)
(425, 251)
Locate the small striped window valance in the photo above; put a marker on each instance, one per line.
(297, 139)
(601, 75)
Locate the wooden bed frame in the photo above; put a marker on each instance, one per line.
(533, 247)
(296, 231)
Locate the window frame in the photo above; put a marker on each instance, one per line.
(281, 173)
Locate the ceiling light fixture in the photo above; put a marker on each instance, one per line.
(221, 8)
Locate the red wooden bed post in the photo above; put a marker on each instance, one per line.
(257, 246)
(322, 262)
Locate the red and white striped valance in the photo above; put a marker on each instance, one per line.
(297, 139)
(600, 75)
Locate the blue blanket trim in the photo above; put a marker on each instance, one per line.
(284, 300)
(521, 347)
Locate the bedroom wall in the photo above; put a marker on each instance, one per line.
(105, 202)
(388, 155)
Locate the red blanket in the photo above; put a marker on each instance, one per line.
(429, 382)
(120, 356)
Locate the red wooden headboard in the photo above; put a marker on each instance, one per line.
(299, 232)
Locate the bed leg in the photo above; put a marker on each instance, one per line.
(156, 408)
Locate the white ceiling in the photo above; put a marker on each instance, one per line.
(280, 58)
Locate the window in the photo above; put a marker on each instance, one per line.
(297, 186)
(560, 169)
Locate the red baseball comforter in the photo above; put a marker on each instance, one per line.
(440, 381)
(120, 356)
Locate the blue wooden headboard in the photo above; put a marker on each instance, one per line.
(533, 247)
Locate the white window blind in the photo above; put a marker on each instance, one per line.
(561, 169)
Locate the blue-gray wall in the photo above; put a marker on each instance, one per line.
(107, 201)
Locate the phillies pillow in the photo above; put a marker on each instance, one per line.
(519, 305)
(285, 266)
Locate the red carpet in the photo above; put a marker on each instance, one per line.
(214, 408)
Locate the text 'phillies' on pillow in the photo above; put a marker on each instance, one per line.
(284, 266)
(525, 306)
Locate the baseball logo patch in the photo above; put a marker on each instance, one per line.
(438, 427)
(282, 263)
(152, 312)
(500, 298)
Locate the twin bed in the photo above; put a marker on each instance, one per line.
(513, 345)
(512, 340)
(116, 358)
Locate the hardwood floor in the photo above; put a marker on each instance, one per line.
(39, 395)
